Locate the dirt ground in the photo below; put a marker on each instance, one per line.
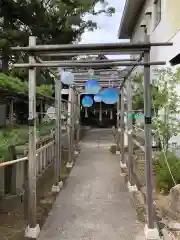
(12, 223)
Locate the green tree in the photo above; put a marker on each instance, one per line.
(52, 21)
(165, 103)
(166, 123)
(138, 92)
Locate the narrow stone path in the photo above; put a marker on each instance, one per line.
(94, 204)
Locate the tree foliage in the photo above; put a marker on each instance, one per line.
(52, 21)
(167, 123)
(138, 92)
(165, 102)
(16, 86)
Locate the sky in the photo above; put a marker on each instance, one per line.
(108, 26)
(107, 31)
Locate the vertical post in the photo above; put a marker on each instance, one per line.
(33, 229)
(78, 119)
(130, 130)
(122, 125)
(118, 124)
(150, 228)
(86, 112)
(117, 109)
(72, 121)
(111, 115)
(41, 111)
(148, 140)
(100, 112)
(70, 126)
(57, 162)
(11, 111)
(26, 191)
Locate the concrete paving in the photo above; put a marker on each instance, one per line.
(94, 204)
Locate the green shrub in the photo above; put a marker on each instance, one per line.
(16, 85)
(164, 180)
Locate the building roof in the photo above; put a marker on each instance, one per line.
(129, 18)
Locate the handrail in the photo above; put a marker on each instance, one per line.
(44, 147)
(3, 164)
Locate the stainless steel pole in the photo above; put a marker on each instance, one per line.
(122, 125)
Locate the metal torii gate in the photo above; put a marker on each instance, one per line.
(141, 48)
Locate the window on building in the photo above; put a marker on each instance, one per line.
(157, 12)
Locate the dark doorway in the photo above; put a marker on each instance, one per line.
(90, 116)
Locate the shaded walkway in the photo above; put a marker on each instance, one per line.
(94, 205)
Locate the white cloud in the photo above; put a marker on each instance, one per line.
(107, 26)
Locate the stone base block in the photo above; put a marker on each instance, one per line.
(32, 232)
(76, 153)
(123, 165)
(151, 234)
(55, 189)
(69, 165)
(60, 184)
(132, 188)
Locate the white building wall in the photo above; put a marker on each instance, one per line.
(163, 32)
(166, 31)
